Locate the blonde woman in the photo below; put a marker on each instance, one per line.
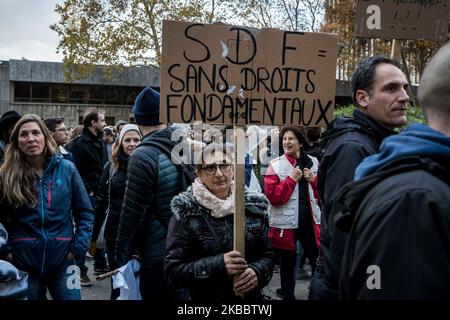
(111, 191)
(41, 194)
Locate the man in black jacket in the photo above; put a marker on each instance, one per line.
(90, 155)
(379, 92)
(398, 210)
(152, 181)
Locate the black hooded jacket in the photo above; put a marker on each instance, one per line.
(347, 141)
(398, 219)
(397, 213)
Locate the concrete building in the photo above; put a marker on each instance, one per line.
(39, 87)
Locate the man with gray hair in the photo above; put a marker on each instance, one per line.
(398, 210)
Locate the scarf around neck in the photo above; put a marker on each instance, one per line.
(219, 207)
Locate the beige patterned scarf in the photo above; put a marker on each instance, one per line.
(219, 208)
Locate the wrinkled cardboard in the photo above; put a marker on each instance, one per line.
(405, 19)
(216, 85)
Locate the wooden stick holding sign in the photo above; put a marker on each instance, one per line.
(396, 49)
(239, 190)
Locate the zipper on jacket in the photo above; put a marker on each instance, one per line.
(49, 194)
(41, 191)
(42, 225)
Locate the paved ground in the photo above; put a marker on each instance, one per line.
(301, 288)
(100, 290)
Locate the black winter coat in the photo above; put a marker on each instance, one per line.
(347, 142)
(197, 241)
(152, 181)
(90, 155)
(399, 220)
(116, 185)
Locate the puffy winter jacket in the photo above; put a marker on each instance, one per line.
(152, 181)
(196, 243)
(41, 237)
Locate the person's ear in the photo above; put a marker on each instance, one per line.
(362, 98)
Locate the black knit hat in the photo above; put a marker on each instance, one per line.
(146, 108)
(9, 117)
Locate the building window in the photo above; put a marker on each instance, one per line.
(60, 93)
(96, 95)
(77, 94)
(113, 95)
(22, 91)
(40, 92)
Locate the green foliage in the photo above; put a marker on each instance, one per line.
(344, 111)
(414, 114)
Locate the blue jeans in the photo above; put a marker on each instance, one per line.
(59, 283)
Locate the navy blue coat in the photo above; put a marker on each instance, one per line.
(152, 181)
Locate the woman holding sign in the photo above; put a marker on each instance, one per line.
(200, 253)
(291, 187)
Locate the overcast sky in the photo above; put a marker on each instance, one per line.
(25, 32)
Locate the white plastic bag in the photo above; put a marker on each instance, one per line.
(127, 279)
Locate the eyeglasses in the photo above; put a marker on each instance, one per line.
(212, 168)
(62, 130)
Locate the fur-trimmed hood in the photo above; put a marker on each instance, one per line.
(185, 205)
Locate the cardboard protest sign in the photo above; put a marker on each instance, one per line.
(403, 19)
(226, 74)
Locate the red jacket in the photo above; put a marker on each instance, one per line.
(279, 192)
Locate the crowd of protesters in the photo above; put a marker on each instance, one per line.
(344, 198)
